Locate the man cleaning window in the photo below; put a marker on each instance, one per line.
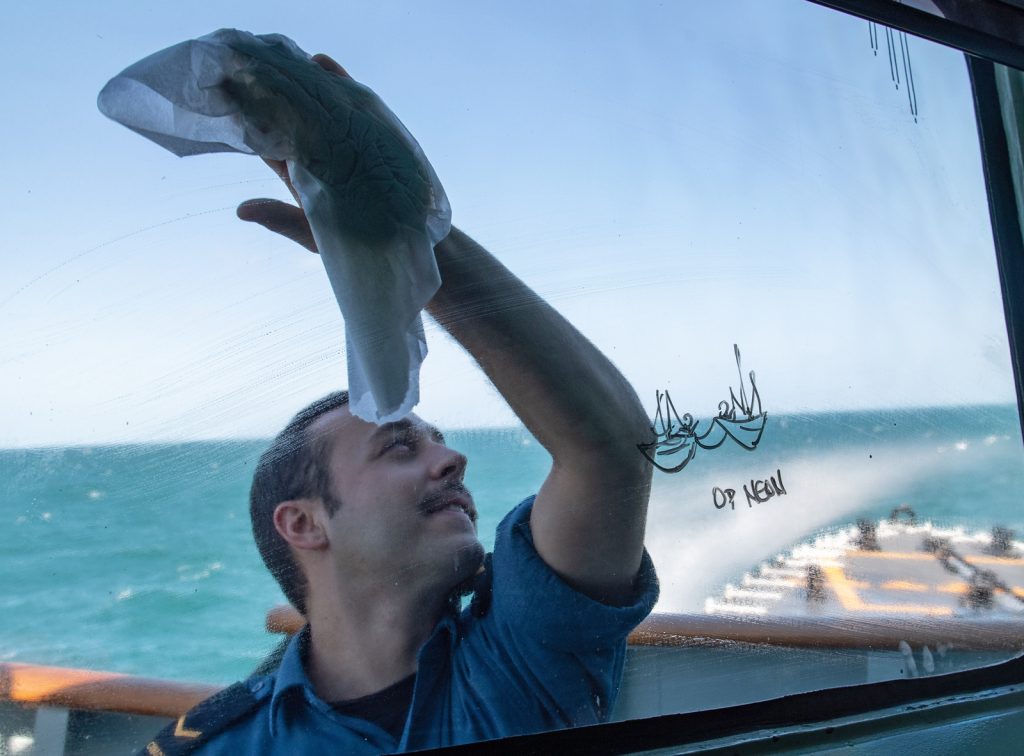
(361, 513)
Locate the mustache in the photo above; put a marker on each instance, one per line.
(447, 491)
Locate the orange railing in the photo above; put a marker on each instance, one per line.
(803, 632)
(868, 633)
(37, 685)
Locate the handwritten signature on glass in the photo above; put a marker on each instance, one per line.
(677, 440)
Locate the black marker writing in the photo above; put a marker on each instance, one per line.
(727, 496)
(758, 491)
(676, 440)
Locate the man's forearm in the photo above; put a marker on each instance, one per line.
(568, 394)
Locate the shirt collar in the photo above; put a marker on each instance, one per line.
(291, 674)
(291, 677)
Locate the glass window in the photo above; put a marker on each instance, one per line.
(770, 217)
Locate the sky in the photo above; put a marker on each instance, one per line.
(675, 178)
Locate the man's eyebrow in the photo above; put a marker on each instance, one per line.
(400, 426)
(390, 429)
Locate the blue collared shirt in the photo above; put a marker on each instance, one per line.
(543, 657)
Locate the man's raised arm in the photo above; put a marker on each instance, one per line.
(588, 519)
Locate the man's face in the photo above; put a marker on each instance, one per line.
(404, 514)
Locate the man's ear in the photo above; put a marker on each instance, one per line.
(295, 520)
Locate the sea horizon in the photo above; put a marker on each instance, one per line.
(138, 557)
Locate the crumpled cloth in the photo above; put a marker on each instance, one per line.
(373, 201)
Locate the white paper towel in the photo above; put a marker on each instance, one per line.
(373, 201)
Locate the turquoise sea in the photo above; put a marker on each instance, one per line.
(139, 558)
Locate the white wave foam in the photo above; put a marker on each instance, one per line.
(696, 548)
(183, 575)
(20, 743)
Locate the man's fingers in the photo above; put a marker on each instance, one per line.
(277, 166)
(328, 63)
(281, 169)
(281, 218)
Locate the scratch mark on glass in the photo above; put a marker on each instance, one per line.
(677, 440)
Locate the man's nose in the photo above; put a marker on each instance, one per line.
(448, 464)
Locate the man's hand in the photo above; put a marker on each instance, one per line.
(287, 220)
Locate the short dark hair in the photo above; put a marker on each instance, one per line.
(293, 467)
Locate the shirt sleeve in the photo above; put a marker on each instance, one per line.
(541, 656)
(530, 598)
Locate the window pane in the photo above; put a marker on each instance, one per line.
(770, 217)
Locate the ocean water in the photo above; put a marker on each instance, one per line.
(139, 558)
